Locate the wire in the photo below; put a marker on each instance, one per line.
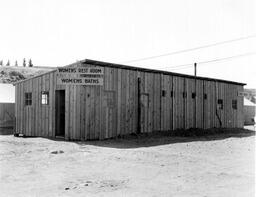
(190, 49)
(178, 67)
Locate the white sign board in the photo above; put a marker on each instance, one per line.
(242, 94)
(80, 76)
(80, 81)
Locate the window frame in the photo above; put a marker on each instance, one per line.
(184, 94)
(28, 99)
(220, 104)
(172, 94)
(234, 104)
(45, 98)
(163, 93)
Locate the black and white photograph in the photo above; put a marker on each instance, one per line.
(136, 98)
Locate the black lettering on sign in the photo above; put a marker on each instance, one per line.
(95, 81)
(95, 70)
(91, 80)
(65, 80)
(77, 80)
(83, 70)
(67, 70)
(71, 80)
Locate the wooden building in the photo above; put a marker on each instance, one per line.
(249, 112)
(125, 100)
(7, 108)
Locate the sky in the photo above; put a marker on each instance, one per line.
(60, 32)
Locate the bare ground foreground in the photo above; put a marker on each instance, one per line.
(215, 165)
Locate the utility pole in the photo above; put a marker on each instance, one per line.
(195, 68)
(195, 112)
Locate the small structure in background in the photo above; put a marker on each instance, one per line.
(249, 112)
(7, 108)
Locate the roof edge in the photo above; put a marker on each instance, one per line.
(122, 66)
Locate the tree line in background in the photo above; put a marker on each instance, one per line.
(24, 64)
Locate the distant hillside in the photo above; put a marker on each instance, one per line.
(11, 74)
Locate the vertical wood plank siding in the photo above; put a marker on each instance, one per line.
(98, 112)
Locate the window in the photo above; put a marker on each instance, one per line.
(234, 104)
(193, 95)
(45, 98)
(172, 93)
(28, 98)
(163, 93)
(184, 94)
(220, 104)
(205, 96)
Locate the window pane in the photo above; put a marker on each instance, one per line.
(45, 98)
(234, 104)
(220, 103)
(28, 98)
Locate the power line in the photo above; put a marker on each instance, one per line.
(183, 66)
(190, 49)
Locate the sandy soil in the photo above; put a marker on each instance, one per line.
(212, 166)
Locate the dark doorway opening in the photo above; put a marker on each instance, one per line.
(60, 113)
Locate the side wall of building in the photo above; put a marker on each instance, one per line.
(159, 101)
(249, 115)
(125, 104)
(36, 119)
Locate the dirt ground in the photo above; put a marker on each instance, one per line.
(218, 166)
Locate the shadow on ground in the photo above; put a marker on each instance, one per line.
(164, 138)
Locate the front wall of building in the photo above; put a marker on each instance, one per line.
(36, 119)
(99, 112)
